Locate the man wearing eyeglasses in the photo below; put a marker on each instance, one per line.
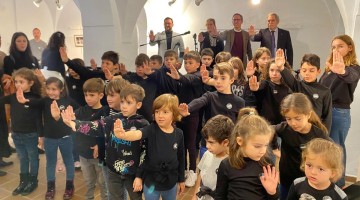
(237, 40)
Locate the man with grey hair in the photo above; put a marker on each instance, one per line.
(273, 37)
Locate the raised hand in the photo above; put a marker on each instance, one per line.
(39, 76)
(201, 37)
(122, 69)
(7, 83)
(55, 110)
(184, 109)
(205, 77)
(20, 96)
(119, 131)
(93, 64)
(338, 66)
(137, 185)
(280, 59)
(250, 69)
(174, 74)
(186, 50)
(253, 83)
(151, 36)
(67, 116)
(251, 30)
(63, 54)
(270, 179)
(107, 73)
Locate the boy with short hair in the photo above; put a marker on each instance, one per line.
(87, 147)
(222, 101)
(165, 84)
(156, 61)
(216, 132)
(149, 85)
(207, 58)
(319, 95)
(122, 157)
(191, 88)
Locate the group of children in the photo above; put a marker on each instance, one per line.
(138, 144)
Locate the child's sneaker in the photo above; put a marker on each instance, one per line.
(190, 179)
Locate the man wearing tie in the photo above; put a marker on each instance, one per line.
(166, 40)
(273, 37)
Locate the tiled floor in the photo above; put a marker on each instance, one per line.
(9, 182)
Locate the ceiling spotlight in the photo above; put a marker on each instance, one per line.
(58, 5)
(37, 3)
(255, 2)
(171, 2)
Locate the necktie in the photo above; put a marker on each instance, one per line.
(273, 46)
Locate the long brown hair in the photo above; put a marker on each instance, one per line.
(29, 75)
(248, 126)
(258, 53)
(350, 58)
(300, 103)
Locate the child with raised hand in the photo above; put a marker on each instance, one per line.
(216, 132)
(341, 75)
(56, 134)
(165, 84)
(222, 101)
(301, 125)
(319, 95)
(269, 93)
(164, 164)
(191, 88)
(122, 157)
(322, 163)
(246, 173)
(27, 130)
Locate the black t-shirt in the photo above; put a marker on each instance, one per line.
(165, 157)
(291, 148)
(300, 189)
(234, 184)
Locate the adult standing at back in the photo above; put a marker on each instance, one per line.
(209, 38)
(166, 40)
(37, 45)
(237, 40)
(20, 54)
(273, 37)
(51, 59)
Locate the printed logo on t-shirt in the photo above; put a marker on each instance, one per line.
(74, 87)
(26, 106)
(305, 196)
(175, 146)
(133, 128)
(62, 107)
(229, 106)
(275, 91)
(315, 96)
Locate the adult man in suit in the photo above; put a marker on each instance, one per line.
(237, 40)
(166, 40)
(273, 37)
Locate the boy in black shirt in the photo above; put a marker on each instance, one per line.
(87, 147)
(122, 157)
(319, 95)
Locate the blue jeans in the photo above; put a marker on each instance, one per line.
(26, 148)
(66, 146)
(340, 126)
(151, 194)
(75, 151)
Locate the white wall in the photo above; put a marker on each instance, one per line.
(122, 25)
(20, 15)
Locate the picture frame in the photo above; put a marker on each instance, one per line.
(79, 40)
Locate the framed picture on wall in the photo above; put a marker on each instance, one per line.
(79, 40)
